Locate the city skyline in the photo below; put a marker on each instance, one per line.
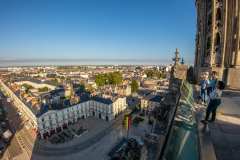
(119, 79)
(97, 30)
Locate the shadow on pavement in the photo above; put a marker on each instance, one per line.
(225, 135)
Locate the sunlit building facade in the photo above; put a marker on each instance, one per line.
(218, 40)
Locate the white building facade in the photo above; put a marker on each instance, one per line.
(55, 120)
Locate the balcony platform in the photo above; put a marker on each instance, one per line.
(221, 140)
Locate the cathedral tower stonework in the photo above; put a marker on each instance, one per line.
(218, 40)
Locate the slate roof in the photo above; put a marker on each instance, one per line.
(156, 98)
(103, 100)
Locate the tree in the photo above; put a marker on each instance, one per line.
(113, 78)
(154, 74)
(149, 73)
(43, 89)
(89, 88)
(100, 80)
(134, 86)
(27, 87)
(81, 87)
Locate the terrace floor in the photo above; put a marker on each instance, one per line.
(224, 133)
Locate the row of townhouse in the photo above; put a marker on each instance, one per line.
(56, 120)
(28, 115)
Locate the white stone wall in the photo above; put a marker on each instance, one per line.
(119, 105)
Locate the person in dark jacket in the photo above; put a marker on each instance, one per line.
(215, 101)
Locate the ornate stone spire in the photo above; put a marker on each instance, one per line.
(176, 59)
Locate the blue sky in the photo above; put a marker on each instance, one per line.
(96, 29)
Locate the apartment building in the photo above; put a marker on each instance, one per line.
(53, 121)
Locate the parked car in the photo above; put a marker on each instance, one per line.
(7, 135)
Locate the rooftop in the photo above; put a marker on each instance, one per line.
(103, 100)
(224, 134)
(156, 98)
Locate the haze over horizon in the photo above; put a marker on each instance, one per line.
(146, 31)
(71, 62)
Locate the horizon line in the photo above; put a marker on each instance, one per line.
(76, 59)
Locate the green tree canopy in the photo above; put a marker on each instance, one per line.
(43, 89)
(134, 86)
(113, 78)
(80, 87)
(153, 73)
(101, 79)
(27, 87)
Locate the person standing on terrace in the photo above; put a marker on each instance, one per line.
(204, 84)
(212, 83)
(215, 101)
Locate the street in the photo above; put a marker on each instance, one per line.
(22, 143)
